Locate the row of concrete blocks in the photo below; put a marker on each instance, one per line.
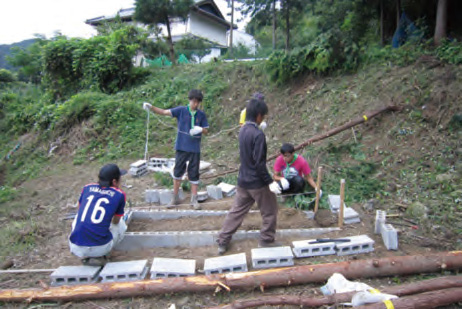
(388, 232)
(162, 196)
(350, 215)
(167, 268)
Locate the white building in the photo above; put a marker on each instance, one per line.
(205, 21)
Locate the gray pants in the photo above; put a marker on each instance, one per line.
(118, 233)
(245, 198)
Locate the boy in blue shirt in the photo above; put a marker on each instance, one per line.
(97, 227)
(192, 123)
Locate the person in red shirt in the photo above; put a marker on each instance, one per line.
(292, 171)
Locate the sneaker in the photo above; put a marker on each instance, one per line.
(195, 203)
(94, 261)
(174, 201)
(268, 244)
(222, 249)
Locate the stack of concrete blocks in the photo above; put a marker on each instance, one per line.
(152, 196)
(389, 236)
(272, 257)
(168, 268)
(226, 264)
(157, 164)
(356, 245)
(227, 189)
(214, 192)
(350, 215)
(380, 218)
(309, 248)
(124, 271)
(71, 275)
(138, 169)
(202, 196)
(165, 195)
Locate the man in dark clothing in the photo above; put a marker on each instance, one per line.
(254, 183)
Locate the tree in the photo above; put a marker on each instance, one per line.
(290, 7)
(6, 76)
(193, 47)
(153, 12)
(441, 21)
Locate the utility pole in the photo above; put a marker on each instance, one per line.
(231, 31)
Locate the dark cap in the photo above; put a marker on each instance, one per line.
(108, 173)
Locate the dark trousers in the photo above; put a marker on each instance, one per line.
(245, 198)
(296, 185)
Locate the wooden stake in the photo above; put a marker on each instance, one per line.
(318, 188)
(342, 198)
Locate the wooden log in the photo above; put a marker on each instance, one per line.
(401, 290)
(318, 188)
(355, 269)
(342, 199)
(361, 119)
(433, 299)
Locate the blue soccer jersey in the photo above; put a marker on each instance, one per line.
(97, 207)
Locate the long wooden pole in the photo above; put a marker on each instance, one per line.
(353, 269)
(361, 119)
(318, 189)
(436, 284)
(342, 198)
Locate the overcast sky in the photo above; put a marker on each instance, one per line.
(21, 19)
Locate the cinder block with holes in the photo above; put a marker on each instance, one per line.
(334, 202)
(124, 271)
(356, 245)
(350, 216)
(214, 192)
(380, 218)
(305, 248)
(389, 236)
(167, 268)
(225, 264)
(272, 257)
(71, 275)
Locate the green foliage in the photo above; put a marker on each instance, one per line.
(450, 52)
(28, 60)
(7, 194)
(6, 76)
(193, 47)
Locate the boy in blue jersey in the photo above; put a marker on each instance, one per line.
(99, 226)
(192, 123)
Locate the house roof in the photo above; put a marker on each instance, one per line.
(206, 8)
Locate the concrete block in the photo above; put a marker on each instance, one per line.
(225, 264)
(309, 214)
(272, 257)
(124, 271)
(71, 275)
(357, 244)
(380, 218)
(180, 194)
(214, 192)
(350, 216)
(138, 164)
(227, 189)
(166, 268)
(389, 236)
(152, 196)
(202, 196)
(334, 202)
(165, 196)
(303, 248)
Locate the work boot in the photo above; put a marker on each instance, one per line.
(195, 203)
(174, 201)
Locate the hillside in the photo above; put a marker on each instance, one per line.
(406, 162)
(5, 50)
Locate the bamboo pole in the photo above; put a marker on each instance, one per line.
(361, 119)
(353, 269)
(342, 198)
(318, 189)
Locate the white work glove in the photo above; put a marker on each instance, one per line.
(147, 106)
(275, 188)
(263, 125)
(196, 130)
(320, 193)
(284, 184)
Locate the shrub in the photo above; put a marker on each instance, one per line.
(6, 76)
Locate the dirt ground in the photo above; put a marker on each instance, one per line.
(52, 251)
